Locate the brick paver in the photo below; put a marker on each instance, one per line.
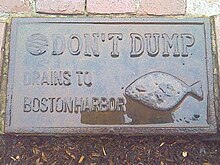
(60, 6)
(162, 7)
(14, 6)
(110, 6)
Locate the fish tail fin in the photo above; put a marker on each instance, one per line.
(196, 89)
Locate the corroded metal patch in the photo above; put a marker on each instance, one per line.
(131, 76)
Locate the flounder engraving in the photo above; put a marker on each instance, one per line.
(162, 91)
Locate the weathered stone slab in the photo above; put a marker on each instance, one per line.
(131, 76)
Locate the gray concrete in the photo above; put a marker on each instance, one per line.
(203, 7)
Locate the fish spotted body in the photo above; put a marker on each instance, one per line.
(162, 91)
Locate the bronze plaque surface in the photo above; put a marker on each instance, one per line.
(131, 76)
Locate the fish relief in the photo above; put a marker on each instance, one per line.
(162, 91)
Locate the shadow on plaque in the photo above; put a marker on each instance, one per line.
(136, 113)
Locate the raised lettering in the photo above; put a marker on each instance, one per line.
(170, 43)
(27, 104)
(59, 105)
(80, 78)
(58, 44)
(86, 105)
(52, 104)
(115, 37)
(44, 79)
(58, 78)
(152, 44)
(187, 41)
(36, 105)
(91, 47)
(68, 105)
(77, 50)
(137, 45)
(27, 78)
(113, 104)
(78, 105)
(121, 104)
(44, 107)
(88, 79)
(95, 104)
(104, 104)
(67, 76)
(36, 78)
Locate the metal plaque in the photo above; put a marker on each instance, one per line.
(101, 75)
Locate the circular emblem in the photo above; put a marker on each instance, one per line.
(37, 44)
